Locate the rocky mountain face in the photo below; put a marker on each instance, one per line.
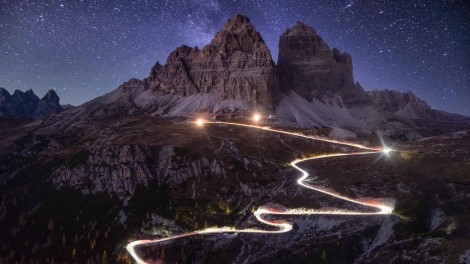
(310, 68)
(27, 104)
(236, 67)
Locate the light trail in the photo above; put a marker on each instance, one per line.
(283, 226)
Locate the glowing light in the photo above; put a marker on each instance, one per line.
(283, 225)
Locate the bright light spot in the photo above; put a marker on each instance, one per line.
(200, 122)
(386, 150)
(256, 117)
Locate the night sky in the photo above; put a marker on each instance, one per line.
(84, 49)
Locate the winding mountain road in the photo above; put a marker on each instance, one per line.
(284, 226)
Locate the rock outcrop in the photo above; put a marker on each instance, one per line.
(310, 68)
(27, 104)
(118, 169)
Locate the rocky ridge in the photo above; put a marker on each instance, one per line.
(406, 105)
(27, 104)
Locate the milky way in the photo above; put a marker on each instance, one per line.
(84, 49)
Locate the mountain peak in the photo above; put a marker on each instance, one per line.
(51, 95)
(237, 22)
(300, 28)
(4, 92)
(239, 33)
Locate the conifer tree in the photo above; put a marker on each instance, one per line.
(51, 225)
(252, 208)
(227, 210)
(323, 256)
(196, 205)
(147, 216)
(195, 226)
(205, 224)
(63, 239)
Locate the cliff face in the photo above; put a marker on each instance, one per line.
(27, 104)
(236, 65)
(310, 68)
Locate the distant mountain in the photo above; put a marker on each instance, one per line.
(27, 104)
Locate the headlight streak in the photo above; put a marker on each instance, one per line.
(284, 226)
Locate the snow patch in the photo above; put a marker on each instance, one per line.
(437, 218)
(465, 257)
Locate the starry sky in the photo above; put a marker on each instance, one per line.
(86, 48)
